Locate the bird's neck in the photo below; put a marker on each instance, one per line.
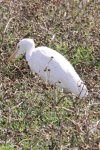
(29, 52)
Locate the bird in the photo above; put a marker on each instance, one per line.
(51, 66)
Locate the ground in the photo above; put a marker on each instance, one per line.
(28, 117)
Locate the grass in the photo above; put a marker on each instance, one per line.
(28, 117)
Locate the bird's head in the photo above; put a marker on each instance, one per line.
(22, 47)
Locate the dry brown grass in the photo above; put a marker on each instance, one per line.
(29, 119)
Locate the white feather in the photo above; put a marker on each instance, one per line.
(44, 58)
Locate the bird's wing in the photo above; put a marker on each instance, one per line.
(52, 66)
(44, 61)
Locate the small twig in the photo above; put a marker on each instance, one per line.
(47, 71)
(20, 71)
(55, 94)
(8, 124)
(65, 109)
(17, 105)
(76, 15)
(8, 23)
(96, 94)
(75, 123)
(93, 104)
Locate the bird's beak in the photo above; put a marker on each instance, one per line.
(12, 56)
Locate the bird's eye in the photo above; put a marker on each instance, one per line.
(18, 47)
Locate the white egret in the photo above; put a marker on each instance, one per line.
(51, 66)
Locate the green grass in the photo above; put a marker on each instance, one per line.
(28, 117)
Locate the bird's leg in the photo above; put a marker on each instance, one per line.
(55, 94)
